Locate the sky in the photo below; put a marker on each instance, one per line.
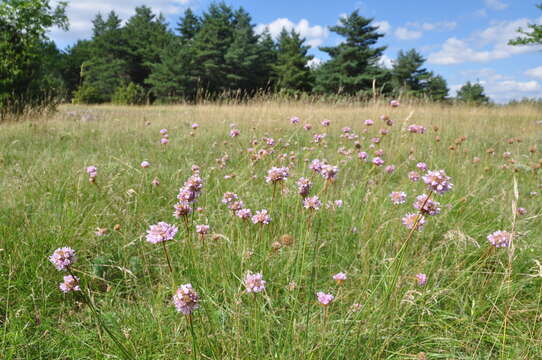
(462, 40)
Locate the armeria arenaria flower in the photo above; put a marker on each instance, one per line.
(312, 203)
(63, 257)
(161, 232)
(500, 238)
(340, 278)
(394, 103)
(369, 122)
(163, 131)
(261, 217)
(326, 122)
(145, 164)
(430, 208)
(409, 220)
(71, 283)
(318, 137)
(182, 208)
(234, 132)
(236, 205)
(195, 126)
(323, 298)
(244, 214)
(421, 279)
(438, 181)
(294, 120)
(92, 171)
(203, 229)
(413, 176)
(378, 161)
(316, 165)
(254, 283)
(304, 186)
(228, 197)
(363, 155)
(307, 127)
(398, 197)
(416, 129)
(276, 174)
(422, 166)
(347, 130)
(164, 141)
(390, 168)
(329, 172)
(186, 300)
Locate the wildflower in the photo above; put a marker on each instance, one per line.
(307, 127)
(163, 132)
(378, 161)
(186, 299)
(161, 232)
(413, 176)
(421, 279)
(355, 307)
(236, 205)
(276, 245)
(318, 137)
(229, 197)
(244, 214)
(414, 220)
(384, 132)
(390, 168)
(375, 140)
(379, 152)
(261, 217)
(323, 298)
(145, 164)
(254, 283)
(329, 172)
(326, 123)
(71, 283)
(338, 203)
(347, 130)
(437, 181)
(100, 231)
(276, 174)
(234, 132)
(312, 203)
(304, 186)
(363, 155)
(500, 238)
(369, 122)
(521, 211)
(202, 229)
(422, 166)
(430, 208)
(294, 120)
(339, 278)
(416, 129)
(155, 182)
(316, 165)
(164, 141)
(398, 197)
(270, 141)
(394, 103)
(182, 208)
(62, 258)
(92, 171)
(195, 126)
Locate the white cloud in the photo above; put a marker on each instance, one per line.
(483, 46)
(402, 33)
(436, 26)
(315, 35)
(383, 26)
(495, 4)
(81, 13)
(315, 62)
(535, 72)
(386, 62)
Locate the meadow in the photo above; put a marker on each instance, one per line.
(441, 291)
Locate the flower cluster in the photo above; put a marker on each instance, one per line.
(304, 186)
(186, 300)
(500, 238)
(261, 217)
(62, 258)
(437, 181)
(161, 232)
(254, 283)
(398, 197)
(71, 283)
(165, 137)
(188, 194)
(312, 203)
(416, 129)
(276, 174)
(324, 299)
(430, 207)
(414, 221)
(92, 172)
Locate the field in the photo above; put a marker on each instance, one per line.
(477, 301)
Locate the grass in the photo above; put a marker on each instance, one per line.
(478, 303)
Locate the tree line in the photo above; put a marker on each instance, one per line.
(217, 52)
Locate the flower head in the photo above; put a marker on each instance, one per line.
(323, 298)
(276, 174)
(421, 279)
(261, 217)
(437, 181)
(500, 238)
(430, 208)
(234, 132)
(369, 122)
(307, 126)
(161, 232)
(195, 126)
(186, 300)
(378, 161)
(163, 131)
(203, 229)
(164, 141)
(304, 186)
(412, 221)
(254, 283)
(63, 257)
(294, 120)
(329, 172)
(92, 171)
(398, 197)
(145, 164)
(244, 214)
(228, 197)
(394, 103)
(326, 122)
(182, 208)
(413, 176)
(71, 283)
(312, 203)
(340, 278)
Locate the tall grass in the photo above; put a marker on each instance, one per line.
(478, 303)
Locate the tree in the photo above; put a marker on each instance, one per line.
(23, 43)
(436, 87)
(408, 75)
(472, 94)
(533, 37)
(265, 76)
(189, 25)
(354, 63)
(291, 69)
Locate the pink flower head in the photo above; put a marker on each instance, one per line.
(521, 211)
(254, 283)
(244, 214)
(92, 171)
(339, 278)
(422, 166)
(228, 197)
(416, 129)
(307, 126)
(236, 205)
(316, 165)
(384, 132)
(394, 103)
(145, 164)
(164, 141)
(71, 283)
(413, 176)
(270, 141)
(163, 131)
(375, 140)
(161, 232)
(409, 220)
(304, 186)
(326, 123)
(202, 229)
(62, 258)
(369, 122)
(318, 137)
(155, 182)
(363, 155)
(398, 197)
(234, 132)
(437, 181)
(338, 203)
(421, 279)
(500, 238)
(186, 299)
(312, 203)
(323, 298)
(276, 174)
(390, 168)
(430, 208)
(182, 208)
(347, 130)
(378, 161)
(294, 120)
(379, 152)
(195, 126)
(329, 172)
(261, 217)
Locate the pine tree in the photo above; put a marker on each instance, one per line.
(436, 88)
(264, 75)
(189, 25)
(472, 94)
(533, 37)
(292, 70)
(408, 75)
(354, 63)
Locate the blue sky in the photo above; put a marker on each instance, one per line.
(462, 40)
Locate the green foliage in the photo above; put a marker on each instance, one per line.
(291, 68)
(129, 94)
(532, 37)
(472, 94)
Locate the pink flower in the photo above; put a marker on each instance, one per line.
(413, 176)
(307, 127)
(244, 214)
(422, 166)
(304, 186)
(394, 103)
(378, 161)
(316, 165)
(186, 299)
(369, 122)
(318, 137)
(161, 232)
(323, 298)
(312, 203)
(521, 211)
(390, 168)
(294, 120)
(500, 238)
(363, 155)
(339, 278)
(254, 283)
(375, 140)
(409, 220)
(437, 181)
(155, 182)
(92, 171)
(326, 123)
(228, 197)
(398, 197)
(430, 208)
(182, 208)
(234, 132)
(71, 283)
(276, 174)
(164, 141)
(329, 172)
(421, 278)
(195, 126)
(202, 229)
(163, 131)
(347, 130)
(261, 217)
(62, 258)
(145, 164)
(416, 129)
